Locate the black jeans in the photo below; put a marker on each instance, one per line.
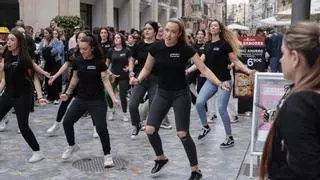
(123, 91)
(181, 103)
(148, 85)
(21, 106)
(98, 112)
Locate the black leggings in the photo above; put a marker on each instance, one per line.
(21, 106)
(181, 103)
(139, 91)
(98, 112)
(123, 91)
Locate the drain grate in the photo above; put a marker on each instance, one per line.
(95, 164)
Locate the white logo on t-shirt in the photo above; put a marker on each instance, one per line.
(123, 54)
(174, 55)
(91, 67)
(216, 49)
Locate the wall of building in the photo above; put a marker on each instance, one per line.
(38, 13)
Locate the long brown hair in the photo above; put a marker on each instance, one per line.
(227, 36)
(303, 37)
(181, 28)
(24, 55)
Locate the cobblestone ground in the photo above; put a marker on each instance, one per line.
(215, 163)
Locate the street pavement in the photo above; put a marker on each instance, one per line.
(215, 163)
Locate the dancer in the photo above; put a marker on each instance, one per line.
(90, 73)
(148, 85)
(18, 67)
(292, 148)
(170, 57)
(222, 47)
(74, 53)
(119, 56)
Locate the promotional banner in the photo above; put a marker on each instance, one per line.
(252, 54)
(269, 88)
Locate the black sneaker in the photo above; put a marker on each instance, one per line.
(135, 131)
(195, 175)
(228, 142)
(159, 164)
(204, 132)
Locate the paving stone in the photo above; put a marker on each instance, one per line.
(215, 163)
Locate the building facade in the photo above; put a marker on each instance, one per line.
(198, 13)
(261, 9)
(121, 14)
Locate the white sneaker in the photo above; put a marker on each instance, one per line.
(36, 156)
(3, 124)
(69, 151)
(125, 117)
(95, 134)
(54, 128)
(111, 115)
(108, 162)
(55, 102)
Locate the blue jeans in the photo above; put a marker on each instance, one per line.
(275, 65)
(207, 91)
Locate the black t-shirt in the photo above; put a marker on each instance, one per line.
(141, 54)
(119, 60)
(296, 145)
(16, 76)
(200, 48)
(106, 46)
(90, 85)
(170, 64)
(217, 59)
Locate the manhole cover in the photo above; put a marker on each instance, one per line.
(95, 164)
(246, 170)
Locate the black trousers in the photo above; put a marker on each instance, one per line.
(139, 91)
(21, 106)
(123, 91)
(56, 87)
(98, 112)
(181, 103)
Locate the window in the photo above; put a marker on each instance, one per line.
(86, 14)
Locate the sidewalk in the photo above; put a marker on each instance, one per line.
(215, 163)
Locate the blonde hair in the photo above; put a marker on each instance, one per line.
(181, 28)
(227, 36)
(303, 37)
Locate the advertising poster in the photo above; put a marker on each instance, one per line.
(269, 88)
(253, 55)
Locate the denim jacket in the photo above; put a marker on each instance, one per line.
(57, 49)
